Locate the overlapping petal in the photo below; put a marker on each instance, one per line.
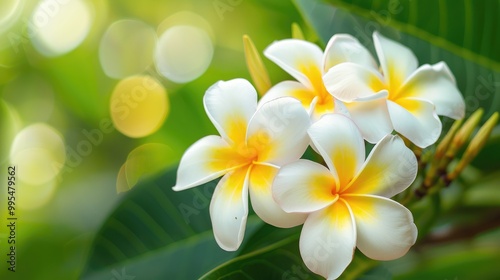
(289, 89)
(328, 240)
(261, 179)
(349, 81)
(385, 228)
(397, 61)
(230, 105)
(278, 130)
(304, 186)
(371, 116)
(341, 145)
(416, 120)
(346, 48)
(229, 209)
(205, 160)
(436, 84)
(297, 57)
(389, 169)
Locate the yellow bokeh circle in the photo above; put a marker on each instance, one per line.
(139, 106)
(38, 152)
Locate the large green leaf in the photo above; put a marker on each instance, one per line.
(270, 253)
(465, 36)
(156, 232)
(273, 253)
(466, 27)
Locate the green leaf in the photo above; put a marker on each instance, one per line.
(467, 260)
(158, 233)
(473, 59)
(440, 21)
(271, 253)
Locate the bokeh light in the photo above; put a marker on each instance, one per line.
(186, 18)
(9, 13)
(183, 53)
(38, 150)
(139, 106)
(58, 27)
(35, 195)
(144, 161)
(127, 48)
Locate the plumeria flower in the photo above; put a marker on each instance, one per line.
(415, 96)
(348, 203)
(307, 63)
(252, 145)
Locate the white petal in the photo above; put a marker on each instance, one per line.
(278, 131)
(436, 84)
(304, 186)
(348, 81)
(385, 228)
(416, 120)
(230, 105)
(202, 163)
(397, 61)
(389, 169)
(371, 116)
(261, 196)
(309, 98)
(289, 89)
(328, 240)
(341, 145)
(346, 48)
(229, 209)
(297, 57)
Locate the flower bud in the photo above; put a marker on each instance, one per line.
(256, 67)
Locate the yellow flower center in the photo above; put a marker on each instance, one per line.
(324, 100)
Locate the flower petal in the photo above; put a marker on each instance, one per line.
(299, 58)
(384, 227)
(203, 162)
(348, 81)
(346, 48)
(371, 116)
(289, 89)
(389, 169)
(436, 84)
(341, 145)
(229, 209)
(230, 105)
(278, 131)
(304, 186)
(397, 61)
(328, 240)
(416, 120)
(261, 179)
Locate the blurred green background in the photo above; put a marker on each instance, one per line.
(61, 62)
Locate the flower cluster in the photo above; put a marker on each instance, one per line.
(340, 99)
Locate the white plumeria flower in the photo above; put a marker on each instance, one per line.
(415, 96)
(307, 63)
(348, 202)
(251, 147)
